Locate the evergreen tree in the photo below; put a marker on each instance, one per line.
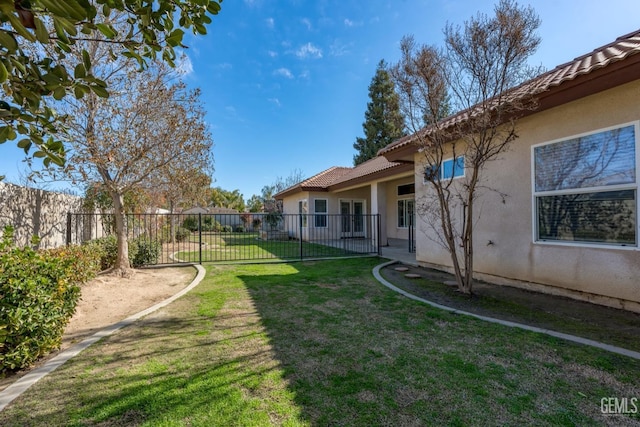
(383, 121)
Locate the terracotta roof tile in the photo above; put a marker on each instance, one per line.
(340, 176)
(377, 164)
(326, 177)
(622, 48)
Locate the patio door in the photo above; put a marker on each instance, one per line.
(352, 220)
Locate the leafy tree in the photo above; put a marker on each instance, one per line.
(37, 37)
(227, 199)
(475, 71)
(384, 122)
(254, 204)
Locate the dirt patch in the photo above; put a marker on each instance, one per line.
(107, 299)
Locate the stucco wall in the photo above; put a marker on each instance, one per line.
(596, 273)
(35, 212)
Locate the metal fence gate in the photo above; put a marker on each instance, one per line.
(200, 238)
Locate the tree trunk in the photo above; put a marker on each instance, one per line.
(122, 265)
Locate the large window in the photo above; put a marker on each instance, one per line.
(303, 209)
(451, 168)
(320, 210)
(585, 188)
(405, 213)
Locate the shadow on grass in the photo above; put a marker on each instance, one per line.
(322, 343)
(354, 353)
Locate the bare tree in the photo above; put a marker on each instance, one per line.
(475, 74)
(149, 127)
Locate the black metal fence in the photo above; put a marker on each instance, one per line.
(189, 238)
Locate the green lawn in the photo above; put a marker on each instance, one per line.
(248, 246)
(322, 343)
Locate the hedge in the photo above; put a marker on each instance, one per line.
(39, 291)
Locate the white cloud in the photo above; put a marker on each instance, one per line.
(272, 53)
(275, 101)
(350, 23)
(284, 72)
(309, 51)
(270, 22)
(305, 74)
(224, 66)
(337, 48)
(306, 22)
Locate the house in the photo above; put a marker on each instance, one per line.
(569, 224)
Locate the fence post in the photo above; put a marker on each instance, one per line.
(68, 228)
(200, 238)
(379, 229)
(300, 236)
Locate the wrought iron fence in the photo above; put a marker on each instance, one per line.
(412, 234)
(189, 238)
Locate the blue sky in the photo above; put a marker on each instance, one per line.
(285, 82)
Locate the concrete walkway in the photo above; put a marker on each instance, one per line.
(567, 337)
(398, 250)
(21, 385)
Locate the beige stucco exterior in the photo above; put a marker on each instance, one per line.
(378, 197)
(505, 251)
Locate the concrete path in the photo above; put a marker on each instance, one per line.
(572, 338)
(21, 385)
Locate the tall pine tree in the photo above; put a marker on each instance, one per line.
(384, 122)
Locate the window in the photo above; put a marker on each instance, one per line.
(405, 213)
(403, 190)
(450, 169)
(303, 209)
(320, 210)
(585, 188)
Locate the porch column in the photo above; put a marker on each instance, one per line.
(379, 206)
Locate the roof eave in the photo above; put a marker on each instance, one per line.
(386, 173)
(604, 78)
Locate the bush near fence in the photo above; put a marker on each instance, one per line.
(39, 292)
(142, 251)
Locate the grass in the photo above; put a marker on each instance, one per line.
(248, 246)
(533, 308)
(322, 343)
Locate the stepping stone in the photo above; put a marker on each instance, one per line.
(401, 269)
(412, 276)
(451, 283)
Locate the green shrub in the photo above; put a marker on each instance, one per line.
(239, 229)
(39, 292)
(209, 223)
(227, 229)
(190, 223)
(181, 234)
(107, 249)
(143, 251)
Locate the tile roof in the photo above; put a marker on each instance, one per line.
(622, 48)
(342, 176)
(326, 177)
